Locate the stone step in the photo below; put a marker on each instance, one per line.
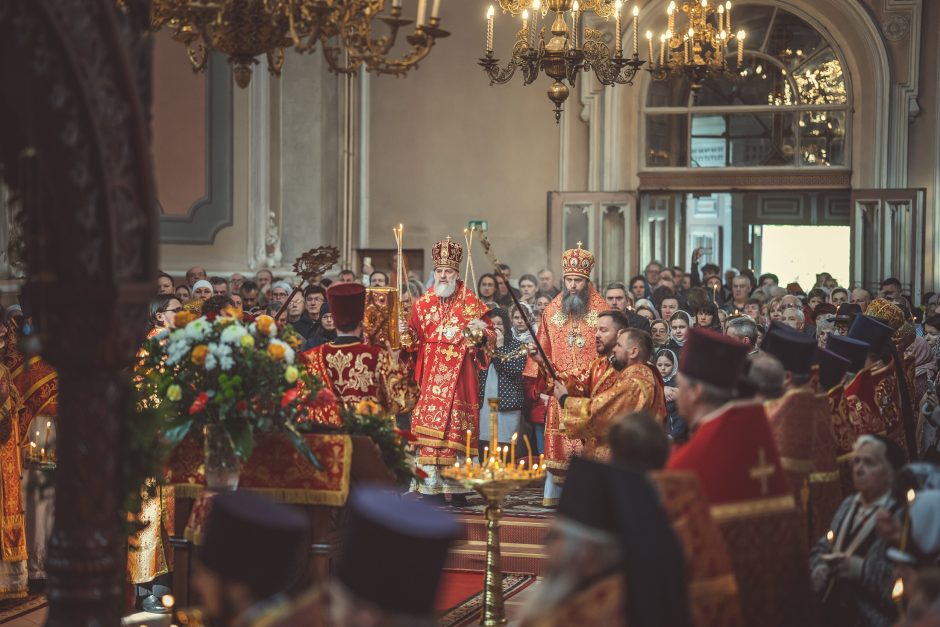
(522, 544)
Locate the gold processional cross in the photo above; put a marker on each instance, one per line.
(762, 471)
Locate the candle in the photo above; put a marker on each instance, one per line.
(721, 17)
(830, 536)
(512, 454)
(534, 24)
(528, 449)
(575, 20)
(618, 43)
(685, 48)
(396, 4)
(741, 36)
(42, 454)
(671, 12)
(48, 431)
(468, 443)
(486, 455)
(649, 45)
(906, 529)
(636, 23)
(525, 23)
(422, 8)
(542, 460)
(728, 16)
(436, 9)
(662, 50)
(489, 29)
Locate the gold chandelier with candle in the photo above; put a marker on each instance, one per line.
(563, 55)
(697, 44)
(244, 30)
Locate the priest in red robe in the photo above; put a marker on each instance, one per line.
(447, 335)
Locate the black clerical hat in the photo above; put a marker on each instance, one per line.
(872, 331)
(856, 351)
(832, 368)
(713, 358)
(255, 541)
(587, 497)
(795, 350)
(847, 312)
(394, 550)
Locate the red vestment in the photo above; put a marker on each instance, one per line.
(888, 402)
(569, 344)
(356, 372)
(446, 372)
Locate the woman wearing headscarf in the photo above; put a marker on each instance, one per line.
(667, 363)
(925, 365)
(502, 380)
(659, 330)
(679, 324)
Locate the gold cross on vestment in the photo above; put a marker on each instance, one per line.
(450, 353)
(762, 471)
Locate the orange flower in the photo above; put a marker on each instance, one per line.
(183, 318)
(232, 312)
(367, 407)
(276, 351)
(294, 341)
(264, 323)
(199, 354)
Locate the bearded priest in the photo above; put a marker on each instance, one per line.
(567, 334)
(449, 337)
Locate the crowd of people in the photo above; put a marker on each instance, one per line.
(713, 339)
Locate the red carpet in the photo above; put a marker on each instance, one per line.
(460, 597)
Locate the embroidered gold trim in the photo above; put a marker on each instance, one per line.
(824, 477)
(797, 465)
(753, 508)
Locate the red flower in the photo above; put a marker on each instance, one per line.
(241, 406)
(211, 316)
(420, 474)
(289, 397)
(324, 397)
(199, 404)
(408, 436)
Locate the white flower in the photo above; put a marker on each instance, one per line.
(219, 355)
(177, 335)
(176, 350)
(288, 351)
(198, 329)
(232, 334)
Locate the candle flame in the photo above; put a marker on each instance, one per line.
(671, 8)
(490, 12)
(741, 35)
(721, 9)
(514, 436)
(649, 35)
(898, 591)
(48, 424)
(525, 14)
(691, 33)
(536, 5)
(168, 600)
(911, 495)
(662, 38)
(830, 536)
(575, 7)
(636, 10)
(728, 5)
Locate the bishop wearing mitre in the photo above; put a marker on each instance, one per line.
(449, 337)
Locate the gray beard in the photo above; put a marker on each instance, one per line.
(444, 290)
(574, 304)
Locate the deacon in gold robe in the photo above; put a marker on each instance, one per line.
(568, 323)
(446, 336)
(13, 556)
(630, 384)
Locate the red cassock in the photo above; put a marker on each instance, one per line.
(446, 371)
(38, 385)
(733, 453)
(356, 372)
(569, 344)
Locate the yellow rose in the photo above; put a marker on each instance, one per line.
(263, 323)
(247, 341)
(291, 374)
(183, 318)
(199, 354)
(276, 351)
(174, 393)
(367, 407)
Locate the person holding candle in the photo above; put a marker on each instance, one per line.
(450, 338)
(851, 574)
(503, 380)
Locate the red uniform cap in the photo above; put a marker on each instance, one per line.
(347, 303)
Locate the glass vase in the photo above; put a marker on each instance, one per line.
(222, 463)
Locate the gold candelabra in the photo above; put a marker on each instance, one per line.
(699, 47)
(563, 56)
(494, 478)
(246, 29)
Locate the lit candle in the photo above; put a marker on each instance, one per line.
(685, 48)
(525, 23)
(741, 36)
(512, 451)
(468, 443)
(649, 45)
(436, 9)
(618, 43)
(528, 449)
(542, 460)
(721, 17)
(728, 16)
(671, 12)
(636, 25)
(486, 455)
(906, 529)
(534, 24)
(489, 29)
(575, 23)
(422, 9)
(42, 454)
(662, 49)
(45, 443)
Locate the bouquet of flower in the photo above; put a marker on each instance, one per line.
(235, 375)
(395, 445)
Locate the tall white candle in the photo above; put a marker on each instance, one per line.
(489, 28)
(636, 35)
(618, 43)
(436, 9)
(422, 9)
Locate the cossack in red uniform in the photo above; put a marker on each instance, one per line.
(733, 453)
(353, 370)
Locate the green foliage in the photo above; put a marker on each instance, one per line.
(392, 442)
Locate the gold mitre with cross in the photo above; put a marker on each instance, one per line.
(447, 254)
(577, 262)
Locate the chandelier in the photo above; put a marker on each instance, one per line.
(244, 30)
(698, 48)
(563, 56)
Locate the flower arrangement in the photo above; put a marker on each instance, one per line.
(237, 376)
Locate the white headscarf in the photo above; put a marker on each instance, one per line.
(202, 283)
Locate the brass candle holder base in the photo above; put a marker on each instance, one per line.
(494, 492)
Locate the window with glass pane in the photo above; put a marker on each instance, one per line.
(792, 93)
(577, 225)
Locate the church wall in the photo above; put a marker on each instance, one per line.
(446, 147)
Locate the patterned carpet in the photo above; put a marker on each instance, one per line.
(11, 610)
(526, 502)
(467, 612)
